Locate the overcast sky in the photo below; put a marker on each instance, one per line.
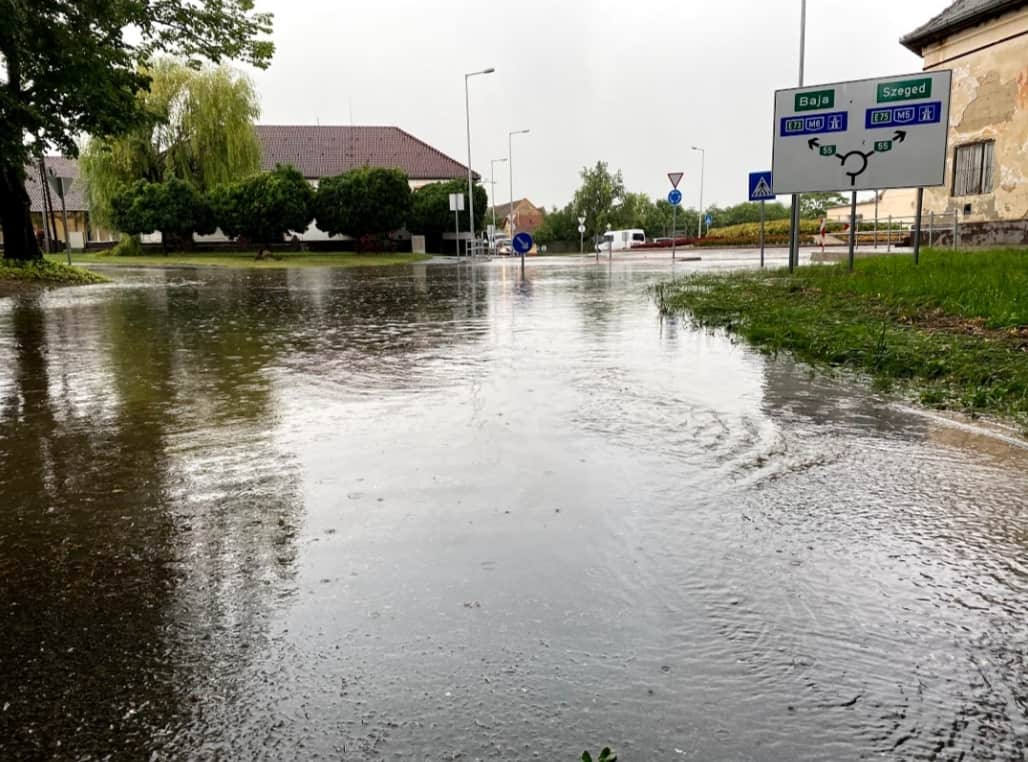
(633, 83)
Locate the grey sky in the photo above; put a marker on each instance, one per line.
(632, 83)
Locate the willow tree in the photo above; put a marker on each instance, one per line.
(69, 67)
(199, 129)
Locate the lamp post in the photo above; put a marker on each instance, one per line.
(510, 175)
(794, 226)
(467, 114)
(703, 166)
(492, 185)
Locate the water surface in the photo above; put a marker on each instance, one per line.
(436, 512)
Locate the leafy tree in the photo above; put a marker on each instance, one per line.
(173, 207)
(661, 220)
(362, 202)
(71, 67)
(200, 129)
(813, 205)
(632, 211)
(430, 208)
(265, 207)
(598, 197)
(558, 225)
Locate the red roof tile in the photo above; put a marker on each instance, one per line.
(331, 150)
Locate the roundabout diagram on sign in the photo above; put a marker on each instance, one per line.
(857, 161)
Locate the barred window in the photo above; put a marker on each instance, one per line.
(972, 168)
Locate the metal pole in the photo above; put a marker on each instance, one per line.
(888, 246)
(64, 217)
(581, 244)
(794, 231)
(853, 227)
(510, 179)
(703, 165)
(471, 189)
(876, 219)
(917, 225)
(674, 225)
(956, 230)
(931, 227)
(762, 235)
(456, 228)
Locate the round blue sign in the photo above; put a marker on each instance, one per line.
(674, 197)
(523, 243)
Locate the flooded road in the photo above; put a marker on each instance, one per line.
(435, 512)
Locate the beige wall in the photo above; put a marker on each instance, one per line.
(989, 102)
(900, 202)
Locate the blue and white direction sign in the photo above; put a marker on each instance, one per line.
(523, 243)
(674, 197)
(832, 137)
(760, 186)
(707, 220)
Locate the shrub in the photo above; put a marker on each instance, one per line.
(369, 201)
(128, 246)
(173, 207)
(265, 207)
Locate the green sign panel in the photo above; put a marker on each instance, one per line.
(815, 100)
(828, 150)
(908, 90)
(881, 146)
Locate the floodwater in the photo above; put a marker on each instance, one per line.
(435, 512)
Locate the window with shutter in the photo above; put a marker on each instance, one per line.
(972, 168)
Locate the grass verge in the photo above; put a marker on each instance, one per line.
(246, 260)
(953, 330)
(45, 272)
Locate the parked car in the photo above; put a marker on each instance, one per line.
(504, 246)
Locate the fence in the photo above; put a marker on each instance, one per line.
(936, 229)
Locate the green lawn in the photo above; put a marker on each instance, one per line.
(953, 329)
(245, 260)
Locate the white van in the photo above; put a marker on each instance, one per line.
(621, 240)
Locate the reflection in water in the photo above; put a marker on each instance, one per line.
(441, 512)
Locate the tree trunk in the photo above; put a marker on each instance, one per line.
(19, 235)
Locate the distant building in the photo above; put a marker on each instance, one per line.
(315, 151)
(527, 216)
(328, 151)
(897, 203)
(985, 43)
(79, 224)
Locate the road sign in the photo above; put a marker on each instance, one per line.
(760, 186)
(832, 137)
(674, 197)
(581, 220)
(707, 220)
(522, 243)
(581, 228)
(675, 178)
(456, 202)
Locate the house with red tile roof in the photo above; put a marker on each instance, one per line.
(316, 151)
(328, 151)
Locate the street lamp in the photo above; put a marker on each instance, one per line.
(794, 213)
(703, 164)
(492, 185)
(510, 174)
(467, 114)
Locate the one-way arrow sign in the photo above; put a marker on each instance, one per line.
(675, 178)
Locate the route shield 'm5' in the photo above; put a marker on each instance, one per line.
(870, 134)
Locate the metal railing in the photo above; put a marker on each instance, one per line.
(937, 229)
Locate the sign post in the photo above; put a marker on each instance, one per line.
(674, 198)
(760, 185)
(581, 235)
(869, 134)
(60, 186)
(457, 206)
(522, 244)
